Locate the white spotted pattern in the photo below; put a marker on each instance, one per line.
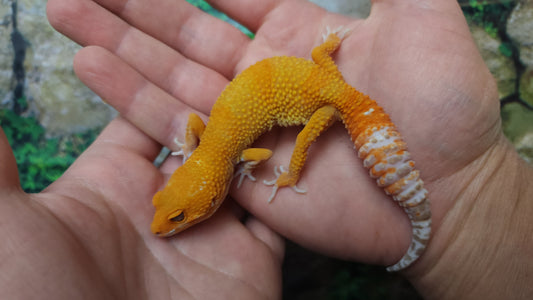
(384, 154)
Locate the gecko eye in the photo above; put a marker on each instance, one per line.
(177, 217)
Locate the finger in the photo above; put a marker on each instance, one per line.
(285, 14)
(197, 35)
(8, 166)
(117, 168)
(147, 106)
(251, 14)
(123, 134)
(155, 60)
(265, 234)
(121, 160)
(177, 24)
(260, 231)
(446, 6)
(289, 28)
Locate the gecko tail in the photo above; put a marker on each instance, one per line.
(417, 207)
(385, 155)
(419, 241)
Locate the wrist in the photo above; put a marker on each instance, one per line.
(482, 248)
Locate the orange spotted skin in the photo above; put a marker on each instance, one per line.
(278, 91)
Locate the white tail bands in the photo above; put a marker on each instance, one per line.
(384, 154)
(421, 235)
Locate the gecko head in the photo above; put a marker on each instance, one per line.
(187, 199)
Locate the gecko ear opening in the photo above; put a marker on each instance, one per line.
(177, 216)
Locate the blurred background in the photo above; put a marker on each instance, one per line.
(50, 117)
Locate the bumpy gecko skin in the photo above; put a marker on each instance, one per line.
(286, 91)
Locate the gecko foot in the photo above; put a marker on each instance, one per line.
(340, 31)
(182, 152)
(279, 172)
(242, 173)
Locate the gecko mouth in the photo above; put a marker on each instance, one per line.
(166, 234)
(176, 229)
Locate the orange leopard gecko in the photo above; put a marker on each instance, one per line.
(287, 91)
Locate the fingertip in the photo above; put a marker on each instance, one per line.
(56, 12)
(61, 14)
(88, 62)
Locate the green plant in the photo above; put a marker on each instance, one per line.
(491, 15)
(201, 4)
(506, 49)
(40, 160)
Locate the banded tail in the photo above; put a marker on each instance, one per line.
(384, 154)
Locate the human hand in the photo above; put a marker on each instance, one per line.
(87, 235)
(157, 62)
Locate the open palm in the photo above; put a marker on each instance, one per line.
(85, 237)
(156, 62)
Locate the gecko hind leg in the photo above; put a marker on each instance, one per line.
(321, 54)
(321, 120)
(340, 31)
(276, 187)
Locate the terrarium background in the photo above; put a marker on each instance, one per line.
(50, 117)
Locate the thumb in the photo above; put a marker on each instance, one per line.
(272, 239)
(9, 177)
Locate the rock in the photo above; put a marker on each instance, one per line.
(524, 146)
(354, 8)
(520, 30)
(517, 121)
(501, 66)
(62, 104)
(6, 52)
(526, 86)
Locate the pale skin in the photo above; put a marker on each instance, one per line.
(88, 233)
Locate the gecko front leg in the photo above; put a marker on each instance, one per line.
(193, 133)
(251, 157)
